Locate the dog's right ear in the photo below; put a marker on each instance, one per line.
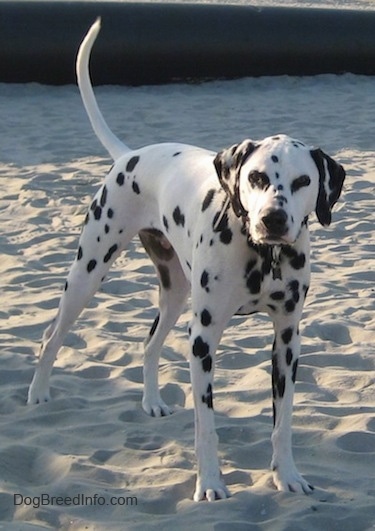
(228, 164)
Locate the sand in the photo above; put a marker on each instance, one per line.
(91, 459)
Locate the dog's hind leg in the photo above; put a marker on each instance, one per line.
(102, 240)
(174, 288)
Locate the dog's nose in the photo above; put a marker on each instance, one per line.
(275, 221)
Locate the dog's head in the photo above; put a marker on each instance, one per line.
(274, 184)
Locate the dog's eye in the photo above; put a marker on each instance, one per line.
(259, 179)
(300, 182)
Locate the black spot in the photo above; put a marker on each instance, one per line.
(91, 265)
(165, 223)
(266, 266)
(289, 356)
(296, 260)
(154, 325)
(188, 264)
(98, 238)
(110, 213)
(207, 364)
(94, 204)
(204, 279)
(272, 307)
(106, 228)
(103, 198)
(290, 306)
(287, 335)
(165, 278)
(208, 398)
(208, 199)
(223, 225)
(277, 295)
(299, 183)
(111, 250)
(294, 371)
(98, 213)
(226, 236)
(274, 416)
(282, 199)
(206, 318)
(254, 282)
(87, 218)
(178, 217)
(249, 266)
(281, 386)
(275, 375)
(295, 296)
(120, 179)
(79, 254)
(66, 286)
(259, 179)
(266, 254)
(135, 187)
(274, 158)
(176, 154)
(294, 287)
(132, 164)
(201, 349)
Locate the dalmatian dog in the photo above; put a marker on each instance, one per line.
(229, 227)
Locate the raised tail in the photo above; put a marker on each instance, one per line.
(113, 145)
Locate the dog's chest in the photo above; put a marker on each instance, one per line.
(276, 280)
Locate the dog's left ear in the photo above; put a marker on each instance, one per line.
(228, 164)
(331, 179)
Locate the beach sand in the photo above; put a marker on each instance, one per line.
(93, 439)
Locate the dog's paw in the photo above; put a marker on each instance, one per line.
(210, 490)
(156, 408)
(290, 480)
(37, 397)
(38, 391)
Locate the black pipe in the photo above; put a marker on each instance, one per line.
(159, 42)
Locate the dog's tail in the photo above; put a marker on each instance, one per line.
(113, 145)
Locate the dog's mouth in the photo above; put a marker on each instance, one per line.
(271, 239)
(261, 235)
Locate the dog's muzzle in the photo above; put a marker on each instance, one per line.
(275, 224)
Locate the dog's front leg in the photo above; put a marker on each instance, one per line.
(286, 350)
(210, 484)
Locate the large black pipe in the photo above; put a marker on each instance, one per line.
(159, 42)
